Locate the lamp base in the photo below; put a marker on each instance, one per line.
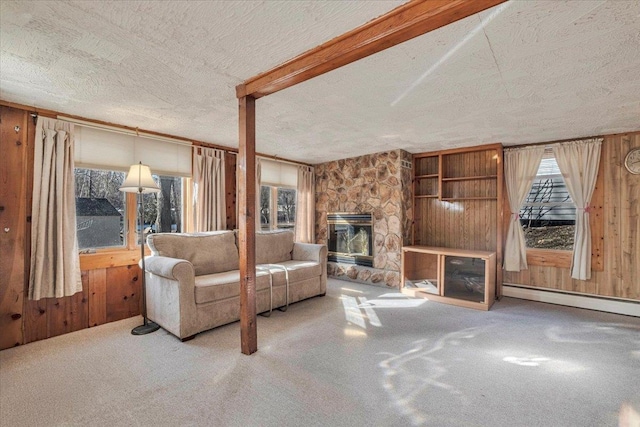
(145, 328)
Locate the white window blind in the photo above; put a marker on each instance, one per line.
(278, 174)
(105, 149)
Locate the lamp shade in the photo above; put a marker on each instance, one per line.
(139, 180)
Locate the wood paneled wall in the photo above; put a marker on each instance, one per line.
(111, 285)
(620, 273)
(108, 294)
(465, 224)
(13, 223)
(231, 190)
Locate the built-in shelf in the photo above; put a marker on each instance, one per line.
(453, 199)
(426, 181)
(469, 178)
(457, 197)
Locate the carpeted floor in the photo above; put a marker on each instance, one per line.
(360, 356)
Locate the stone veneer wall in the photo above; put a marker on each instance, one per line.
(377, 184)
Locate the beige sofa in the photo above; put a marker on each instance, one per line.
(193, 281)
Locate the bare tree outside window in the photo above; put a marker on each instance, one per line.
(265, 207)
(286, 207)
(548, 213)
(163, 210)
(277, 207)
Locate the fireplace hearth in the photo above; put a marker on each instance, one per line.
(350, 238)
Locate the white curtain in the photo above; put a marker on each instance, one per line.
(520, 169)
(258, 210)
(208, 190)
(305, 205)
(578, 161)
(55, 264)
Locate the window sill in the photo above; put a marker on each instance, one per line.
(549, 258)
(110, 258)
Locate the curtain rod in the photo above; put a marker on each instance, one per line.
(547, 147)
(550, 144)
(275, 159)
(124, 131)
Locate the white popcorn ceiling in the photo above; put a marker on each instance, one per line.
(536, 71)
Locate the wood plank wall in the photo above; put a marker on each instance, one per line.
(111, 285)
(12, 224)
(475, 224)
(231, 190)
(620, 273)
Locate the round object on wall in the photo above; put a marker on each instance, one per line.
(632, 161)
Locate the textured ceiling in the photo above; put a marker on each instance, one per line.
(525, 71)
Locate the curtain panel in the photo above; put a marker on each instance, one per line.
(305, 205)
(209, 206)
(55, 263)
(578, 162)
(520, 169)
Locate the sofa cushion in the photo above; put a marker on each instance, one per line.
(273, 246)
(212, 252)
(298, 271)
(221, 286)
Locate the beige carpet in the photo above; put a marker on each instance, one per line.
(360, 356)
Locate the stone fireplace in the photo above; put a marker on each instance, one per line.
(378, 185)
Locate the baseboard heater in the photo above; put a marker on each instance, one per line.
(609, 305)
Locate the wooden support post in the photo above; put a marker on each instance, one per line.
(246, 170)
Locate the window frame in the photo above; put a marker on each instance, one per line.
(273, 205)
(563, 258)
(549, 256)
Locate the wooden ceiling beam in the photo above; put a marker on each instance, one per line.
(403, 23)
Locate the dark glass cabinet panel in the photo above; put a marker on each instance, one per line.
(465, 278)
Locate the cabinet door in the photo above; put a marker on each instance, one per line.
(464, 278)
(421, 272)
(13, 130)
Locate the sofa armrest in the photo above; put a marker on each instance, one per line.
(309, 252)
(170, 268)
(170, 295)
(313, 252)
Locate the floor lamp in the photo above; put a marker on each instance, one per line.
(139, 181)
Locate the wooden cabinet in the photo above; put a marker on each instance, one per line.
(453, 276)
(458, 200)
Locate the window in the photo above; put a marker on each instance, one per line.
(548, 213)
(100, 208)
(105, 214)
(277, 194)
(277, 207)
